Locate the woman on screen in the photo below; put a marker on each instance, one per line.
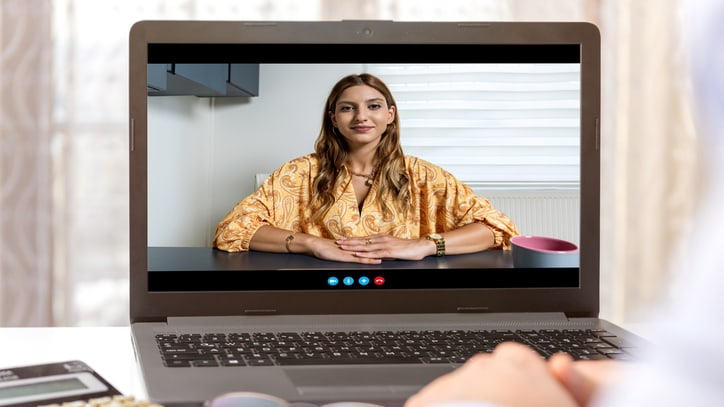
(358, 198)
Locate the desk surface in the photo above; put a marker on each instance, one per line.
(107, 350)
(187, 269)
(207, 258)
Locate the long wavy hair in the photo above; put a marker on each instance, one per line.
(331, 149)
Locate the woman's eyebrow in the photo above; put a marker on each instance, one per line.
(378, 100)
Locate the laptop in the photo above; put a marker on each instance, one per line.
(213, 104)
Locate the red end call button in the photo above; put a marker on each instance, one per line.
(379, 280)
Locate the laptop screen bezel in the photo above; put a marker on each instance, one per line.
(146, 305)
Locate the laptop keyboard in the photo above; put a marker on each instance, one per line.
(381, 347)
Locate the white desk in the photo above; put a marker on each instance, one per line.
(107, 350)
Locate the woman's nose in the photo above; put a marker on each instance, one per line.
(360, 114)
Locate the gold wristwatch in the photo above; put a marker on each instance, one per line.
(439, 242)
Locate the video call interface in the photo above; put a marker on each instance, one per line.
(208, 151)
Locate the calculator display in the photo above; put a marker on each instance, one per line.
(53, 383)
(40, 388)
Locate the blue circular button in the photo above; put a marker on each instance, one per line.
(348, 281)
(333, 281)
(363, 280)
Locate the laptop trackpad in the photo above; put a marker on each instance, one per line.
(392, 379)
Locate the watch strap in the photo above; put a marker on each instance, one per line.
(439, 243)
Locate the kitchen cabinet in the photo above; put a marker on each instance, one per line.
(204, 80)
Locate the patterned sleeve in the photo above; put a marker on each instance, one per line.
(471, 207)
(454, 201)
(280, 202)
(235, 231)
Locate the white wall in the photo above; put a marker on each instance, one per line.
(204, 152)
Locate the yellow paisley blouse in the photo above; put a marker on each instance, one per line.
(440, 203)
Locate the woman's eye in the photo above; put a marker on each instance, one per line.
(345, 108)
(375, 106)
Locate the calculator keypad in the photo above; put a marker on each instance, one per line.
(115, 401)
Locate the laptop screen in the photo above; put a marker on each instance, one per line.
(513, 119)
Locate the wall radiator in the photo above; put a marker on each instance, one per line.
(554, 213)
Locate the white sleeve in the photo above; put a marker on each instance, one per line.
(685, 366)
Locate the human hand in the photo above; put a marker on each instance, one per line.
(384, 246)
(583, 378)
(513, 375)
(327, 249)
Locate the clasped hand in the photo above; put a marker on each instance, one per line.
(373, 249)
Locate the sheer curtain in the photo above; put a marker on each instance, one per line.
(26, 250)
(64, 172)
(649, 153)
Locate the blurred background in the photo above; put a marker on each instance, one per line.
(64, 141)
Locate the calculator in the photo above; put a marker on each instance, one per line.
(63, 384)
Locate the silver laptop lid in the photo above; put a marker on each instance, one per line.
(180, 188)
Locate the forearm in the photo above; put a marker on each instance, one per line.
(470, 238)
(275, 240)
(271, 239)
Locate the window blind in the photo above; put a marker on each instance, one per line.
(491, 125)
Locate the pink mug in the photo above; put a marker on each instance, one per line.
(543, 251)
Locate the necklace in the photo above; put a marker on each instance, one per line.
(370, 177)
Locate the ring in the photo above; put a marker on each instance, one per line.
(368, 241)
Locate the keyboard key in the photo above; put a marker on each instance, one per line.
(205, 363)
(177, 363)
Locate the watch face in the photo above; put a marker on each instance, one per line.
(435, 236)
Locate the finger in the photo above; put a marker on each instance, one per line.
(355, 256)
(360, 249)
(351, 244)
(356, 241)
(559, 364)
(371, 254)
(517, 353)
(365, 260)
(351, 257)
(367, 245)
(379, 236)
(574, 380)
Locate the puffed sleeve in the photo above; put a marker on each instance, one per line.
(470, 207)
(280, 202)
(235, 231)
(447, 203)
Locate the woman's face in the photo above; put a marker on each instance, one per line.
(361, 115)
